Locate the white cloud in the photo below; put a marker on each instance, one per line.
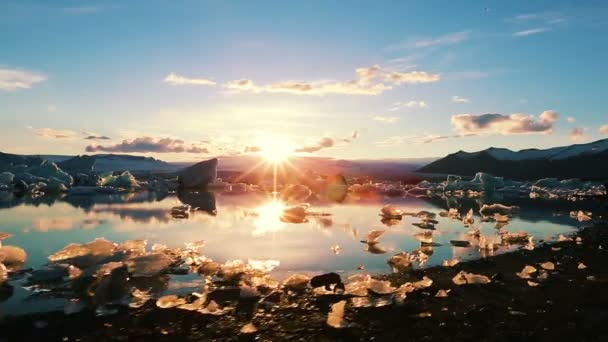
(577, 134)
(447, 39)
(175, 80)
(149, 145)
(14, 79)
(366, 83)
(604, 129)
(409, 104)
(387, 119)
(505, 124)
(459, 99)
(411, 77)
(531, 31)
(54, 133)
(451, 38)
(326, 142)
(419, 139)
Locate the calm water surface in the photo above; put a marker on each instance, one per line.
(247, 226)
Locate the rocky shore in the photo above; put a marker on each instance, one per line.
(563, 299)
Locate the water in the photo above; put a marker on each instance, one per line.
(247, 226)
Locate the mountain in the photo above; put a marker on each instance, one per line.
(7, 161)
(585, 161)
(380, 169)
(111, 162)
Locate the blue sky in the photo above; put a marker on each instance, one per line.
(185, 80)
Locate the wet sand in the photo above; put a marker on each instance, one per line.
(567, 306)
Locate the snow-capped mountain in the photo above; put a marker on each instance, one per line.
(589, 161)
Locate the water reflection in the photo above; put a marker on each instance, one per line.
(263, 228)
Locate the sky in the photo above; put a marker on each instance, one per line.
(188, 80)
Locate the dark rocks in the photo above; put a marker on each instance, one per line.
(327, 280)
(198, 175)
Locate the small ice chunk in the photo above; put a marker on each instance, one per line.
(295, 214)
(335, 317)
(468, 219)
(380, 286)
(450, 262)
(526, 271)
(442, 293)
(335, 249)
(374, 236)
(400, 262)
(488, 210)
(391, 211)
(248, 328)
(581, 266)
(549, 266)
(470, 278)
(4, 236)
(424, 283)
(12, 256)
(97, 248)
(296, 282)
(532, 283)
(170, 301)
(3, 273)
(501, 218)
(139, 298)
(148, 265)
(134, 246)
(263, 265)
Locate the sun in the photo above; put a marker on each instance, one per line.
(275, 149)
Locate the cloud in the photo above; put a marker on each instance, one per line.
(96, 137)
(419, 139)
(426, 42)
(353, 136)
(409, 104)
(448, 39)
(531, 31)
(570, 119)
(252, 149)
(604, 129)
(551, 18)
(14, 79)
(459, 99)
(504, 124)
(368, 81)
(411, 77)
(577, 134)
(174, 79)
(54, 133)
(387, 119)
(149, 145)
(326, 142)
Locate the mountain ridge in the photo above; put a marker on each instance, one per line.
(586, 161)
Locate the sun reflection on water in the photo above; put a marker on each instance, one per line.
(268, 219)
